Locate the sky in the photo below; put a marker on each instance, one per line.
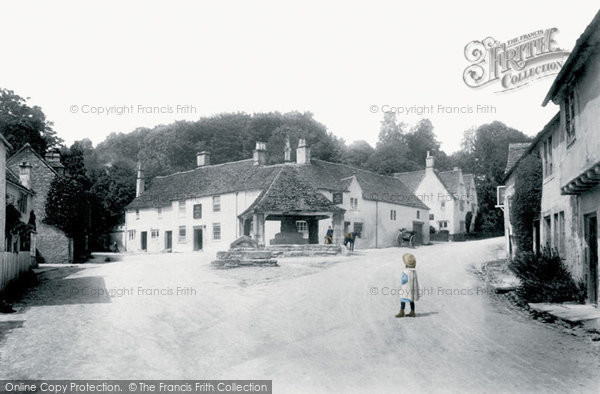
(144, 63)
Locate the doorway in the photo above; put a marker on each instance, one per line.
(168, 241)
(591, 256)
(197, 239)
(144, 240)
(418, 229)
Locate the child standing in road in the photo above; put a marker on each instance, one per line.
(410, 285)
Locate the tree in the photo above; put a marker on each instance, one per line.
(66, 206)
(21, 124)
(358, 154)
(526, 201)
(421, 140)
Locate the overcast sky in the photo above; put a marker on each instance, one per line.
(336, 60)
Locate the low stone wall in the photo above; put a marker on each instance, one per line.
(244, 258)
(304, 250)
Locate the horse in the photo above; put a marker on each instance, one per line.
(349, 238)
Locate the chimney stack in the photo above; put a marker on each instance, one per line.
(140, 184)
(260, 154)
(203, 159)
(429, 162)
(456, 168)
(303, 152)
(53, 159)
(25, 174)
(287, 152)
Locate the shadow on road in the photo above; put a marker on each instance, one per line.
(57, 287)
(7, 326)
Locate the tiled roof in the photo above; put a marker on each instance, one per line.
(586, 44)
(515, 152)
(289, 192)
(244, 175)
(468, 178)
(411, 179)
(451, 180)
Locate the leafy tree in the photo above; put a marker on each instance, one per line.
(66, 206)
(526, 201)
(21, 124)
(358, 154)
(421, 140)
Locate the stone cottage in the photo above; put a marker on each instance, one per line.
(210, 206)
(37, 172)
(451, 195)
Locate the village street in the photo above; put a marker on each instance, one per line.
(311, 325)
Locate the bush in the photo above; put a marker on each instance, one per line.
(544, 278)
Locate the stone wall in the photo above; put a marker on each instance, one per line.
(54, 246)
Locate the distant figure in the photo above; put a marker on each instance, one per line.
(116, 247)
(410, 285)
(31, 221)
(329, 236)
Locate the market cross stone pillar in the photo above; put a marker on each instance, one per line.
(338, 228)
(258, 221)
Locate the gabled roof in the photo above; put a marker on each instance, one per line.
(27, 147)
(245, 176)
(12, 178)
(515, 152)
(451, 180)
(548, 128)
(586, 44)
(289, 193)
(411, 179)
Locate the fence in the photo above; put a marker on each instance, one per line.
(12, 265)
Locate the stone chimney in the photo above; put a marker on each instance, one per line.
(456, 168)
(53, 159)
(429, 162)
(140, 184)
(260, 154)
(25, 174)
(287, 152)
(203, 159)
(303, 152)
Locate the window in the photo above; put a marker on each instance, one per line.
(137, 214)
(358, 227)
(354, 204)
(216, 203)
(197, 211)
(548, 157)
(443, 205)
(159, 211)
(182, 234)
(570, 116)
(131, 235)
(561, 235)
(22, 202)
(216, 231)
(302, 227)
(418, 214)
(548, 230)
(443, 224)
(393, 214)
(431, 216)
(182, 206)
(462, 205)
(154, 233)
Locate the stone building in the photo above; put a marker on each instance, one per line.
(210, 206)
(569, 147)
(451, 195)
(52, 244)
